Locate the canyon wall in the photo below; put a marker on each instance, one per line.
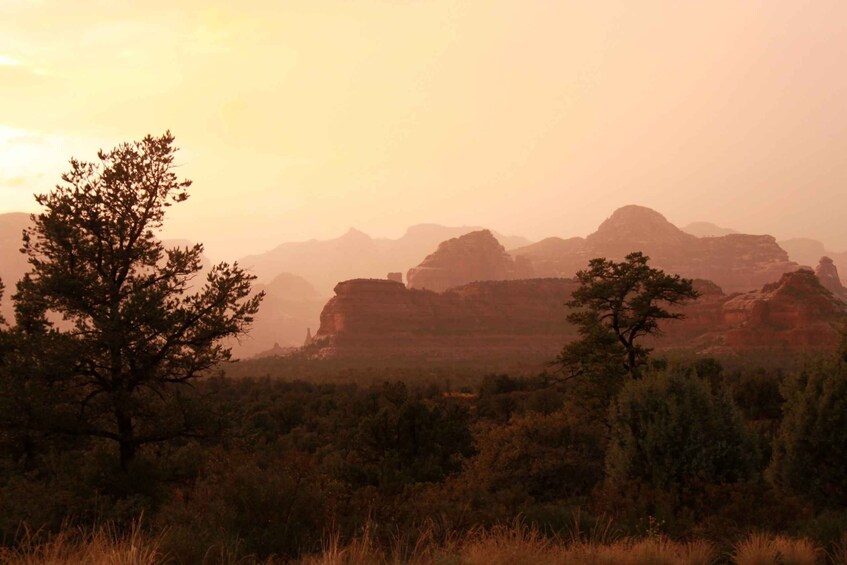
(527, 318)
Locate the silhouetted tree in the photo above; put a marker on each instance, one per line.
(617, 305)
(135, 329)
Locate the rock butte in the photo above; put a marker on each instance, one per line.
(526, 319)
(827, 273)
(476, 256)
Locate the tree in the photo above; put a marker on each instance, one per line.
(135, 330)
(618, 305)
(811, 447)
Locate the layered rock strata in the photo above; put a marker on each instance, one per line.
(527, 318)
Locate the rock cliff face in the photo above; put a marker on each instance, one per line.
(526, 319)
(827, 274)
(735, 262)
(476, 256)
(377, 317)
(796, 312)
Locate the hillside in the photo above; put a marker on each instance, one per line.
(476, 256)
(735, 262)
(357, 255)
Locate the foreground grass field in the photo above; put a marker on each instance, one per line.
(505, 545)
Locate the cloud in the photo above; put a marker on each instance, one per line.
(15, 136)
(17, 182)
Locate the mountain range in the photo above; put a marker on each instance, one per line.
(357, 255)
(298, 277)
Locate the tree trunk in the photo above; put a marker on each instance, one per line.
(126, 439)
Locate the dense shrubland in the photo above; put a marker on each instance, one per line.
(688, 451)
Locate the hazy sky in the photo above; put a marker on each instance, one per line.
(301, 119)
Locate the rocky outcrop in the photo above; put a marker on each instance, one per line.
(735, 262)
(383, 310)
(827, 274)
(795, 313)
(526, 319)
(379, 317)
(807, 252)
(357, 255)
(476, 256)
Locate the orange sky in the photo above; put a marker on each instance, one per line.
(299, 119)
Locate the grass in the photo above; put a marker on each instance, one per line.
(86, 547)
(764, 549)
(514, 544)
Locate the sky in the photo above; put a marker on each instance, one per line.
(300, 119)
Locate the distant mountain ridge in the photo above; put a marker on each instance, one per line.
(14, 264)
(735, 262)
(292, 306)
(464, 259)
(707, 229)
(357, 255)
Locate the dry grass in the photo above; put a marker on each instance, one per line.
(763, 549)
(516, 544)
(838, 553)
(519, 544)
(80, 547)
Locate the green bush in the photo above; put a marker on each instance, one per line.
(669, 429)
(810, 450)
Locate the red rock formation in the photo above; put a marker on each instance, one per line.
(735, 262)
(356, 255)
(795, 313)
(827, 274)
(476, 256)
(370, 316)
(526, 319)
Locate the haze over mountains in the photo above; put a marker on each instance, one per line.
(735, 262)
(299, 277)
(355, 254)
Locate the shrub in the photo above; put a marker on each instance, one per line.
(669, 429)
(810, 450)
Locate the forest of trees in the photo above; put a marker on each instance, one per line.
(116, 403)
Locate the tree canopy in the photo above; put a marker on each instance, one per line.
(124, 316)
(616, 306)
(813, 435)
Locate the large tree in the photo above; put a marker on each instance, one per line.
(615, 307)
(124, 321)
